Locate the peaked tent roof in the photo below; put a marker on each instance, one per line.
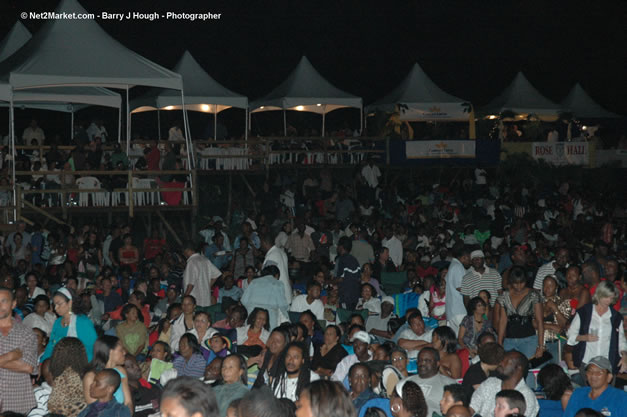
(416, 87)
(582, 105)
(522, 98)
(80, 52)
(422, 99)
(200, 89)
(305, 87)
(15, 39)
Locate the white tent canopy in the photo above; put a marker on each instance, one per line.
(202, 94)
(15, 39)
(306, 90)
(581, 105)
(200, 90)
(418, 98)
(522, 98)
(80, 52)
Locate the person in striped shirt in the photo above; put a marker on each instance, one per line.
(561, 261)
(480, 277)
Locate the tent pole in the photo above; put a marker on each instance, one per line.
(128, 124)
(215, 123)
(323, 118)
(12, 129)
(361, 120)
(158, 124)
(284, 122)
(72, 125)
(246, 124)
(120, 124)
(188, 138)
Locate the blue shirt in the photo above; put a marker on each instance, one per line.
(611, 403)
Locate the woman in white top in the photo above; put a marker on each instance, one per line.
(368, 301)
(202, 329)
(256, 331)
(41, 317)
(597, 330)
(31, 286)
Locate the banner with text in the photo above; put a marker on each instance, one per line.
(561, 153)
(434, 149)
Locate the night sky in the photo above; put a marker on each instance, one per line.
(470, 49)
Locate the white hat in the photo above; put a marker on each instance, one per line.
(476, 254)
(361, 336)
(387, 299)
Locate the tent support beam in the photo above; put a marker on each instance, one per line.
(12, 129)
(215, 122)
(284, 122)
(324, 111)
(128, 123)
(246, 115)
(158, 124)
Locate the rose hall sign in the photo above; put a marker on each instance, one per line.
(561, 153)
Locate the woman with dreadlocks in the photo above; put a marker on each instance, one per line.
(294, 372)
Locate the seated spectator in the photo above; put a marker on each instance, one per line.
(474, 324)
(310, 301)
(293, 373)
(599, 395)
(269, 359)
(377, 324)
(416, 337)
(131, 331)
(190, 362)
(329, 354)
(368, 300)
(314, 335)
(429, 379)
(325, 399)
(203, 330)
(511, 372)
(394, 372)
(361, 347)
(41, 317)
(454, 394)
(218, 345)
(256, 331)
(217, 253)
(109, 353)
(490, 356)
(43, 391)
(229, 289)
(159, 360)
(105, 383)
(359, 380)
(508, 402)
(188, 397)
(234, 382)
(145, 395)
(557, 389)
(213, 371)
(408, 400)
(445, 342)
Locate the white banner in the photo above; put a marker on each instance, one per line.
(439, 111)
(430, 149)
(561, 153)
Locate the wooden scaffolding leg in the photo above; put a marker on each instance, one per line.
(170, 229)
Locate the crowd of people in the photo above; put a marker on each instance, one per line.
(352, 297)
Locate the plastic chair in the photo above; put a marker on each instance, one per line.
(97, 198)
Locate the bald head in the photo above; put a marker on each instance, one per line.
(458, 411)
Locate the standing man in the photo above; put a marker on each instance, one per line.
(455, 310)
(277, 257)
(18, 358)
(394, 245)
(480, 277)
(348, 273)
(561, 261)
(199, 276)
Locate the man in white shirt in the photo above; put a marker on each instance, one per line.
(310, 301)
(455, 309)
(510, 375)
(33, 132)
(277, 256)
(429, 379)
(371, 174)
(199, 276)
(361, 343)
(394, 245)
(175, 133)
(416, 336)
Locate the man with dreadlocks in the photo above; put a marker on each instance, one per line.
(293, 373)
